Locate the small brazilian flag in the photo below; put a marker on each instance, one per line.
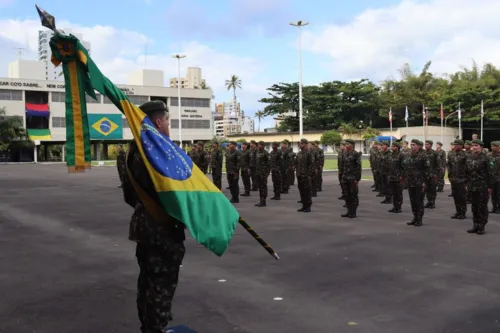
(184, 191)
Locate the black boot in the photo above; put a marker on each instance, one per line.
(246, 194)
(234, 200)
(352, 213)
(418, 223)
(307, 209)
(276, 197)
(262, 202)
(474, 229)
(480, 230)
(412, 222)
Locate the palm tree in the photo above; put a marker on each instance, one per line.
(11, 128)
(259, 115)
(202, 85)
(233, 83)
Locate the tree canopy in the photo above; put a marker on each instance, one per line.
(362, 103)
(11, 129)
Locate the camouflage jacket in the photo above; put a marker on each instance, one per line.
(262, 163)
(253, 156)
(373, 152)
(395, 166)
(442, 158)
(384, 162)
(305, 163)
(434, 162)
(340, 162)
(233, 161)
(376, 160)
(121, 161)
(216, 159)
(321, 157)
(478, 172)
(494, 166)
(457, 162)
(315, 155)
(285, 156)
(201, 160)
(293, 157)
(143, 227)
(351, 166)
(416, 168)
(276, 160)
(246, 157)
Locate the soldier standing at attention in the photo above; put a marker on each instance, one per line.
(416, 169)
(201, 157)
(233, 158)
(321, 162)
(457, 162)
(395, 175)
(431, 179)
(263, 167)
(495, 176)
(293, 164)
(372, 153)
(384, 164)
(216, 162)
(479, 186)
(351, 176)
(121, 161)
(246, 173)
(376, 166)
(253, 174)
(305, 171)
(285, 155)
(159, 237)
(468, 151)
(314, 179)
(340, 167)
(442, 166)
(276, 159)
(405, 151)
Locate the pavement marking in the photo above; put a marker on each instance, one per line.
(222, 280)
(278, 298)
(352, 323)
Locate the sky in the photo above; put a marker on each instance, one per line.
(345, 40)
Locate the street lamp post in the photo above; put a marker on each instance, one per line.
(446, 119)
(179, 57)
(300, 24)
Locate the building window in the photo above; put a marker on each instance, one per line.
(11, 95)
(138, 100)
(190, 123)
(191, 102)
(106, 100)
(58, 122)
(125, 123)
(92, 100)
(58, 97)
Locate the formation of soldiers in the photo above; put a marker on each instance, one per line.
(474, 175)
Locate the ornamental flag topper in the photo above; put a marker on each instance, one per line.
(48, 20)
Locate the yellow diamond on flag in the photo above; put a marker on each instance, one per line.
(104, 126)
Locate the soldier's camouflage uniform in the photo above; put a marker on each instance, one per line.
(442, 169)
(263, 167)
(159, 251)
(416, 171)
(121, 165)
(383, 166)
(233, 165)
(479, 181)
(321, 163)
(376, 168)
(405, 152)
(246, 173)
(351, 175)
(340, 167)
(431, 181)
(468, 152)
(457, 163)
(293, 165)
(287, 163)
(276, 161)
(394, 180)
(253, 169)
(201, 160)
(314, 179)
(373, 152)
(495, 181)
(216, 165)
(305, 170)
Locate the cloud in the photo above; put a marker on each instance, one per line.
(6, 3)
(119, 52)
(242, 17)
(377, 42)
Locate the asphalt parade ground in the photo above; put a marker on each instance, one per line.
(68, 267)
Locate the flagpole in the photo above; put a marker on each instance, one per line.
(259, 239)
(406, 119)
(426, 123)
(423, 120)
(459, 121)
(482, 116)
(442, 116)
(390, 121)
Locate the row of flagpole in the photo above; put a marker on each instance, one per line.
(425, 120)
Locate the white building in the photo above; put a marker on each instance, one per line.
(248, 125)
(278, 119)
(193, 79)
(44, 53)
(230, 120)
(41, 105)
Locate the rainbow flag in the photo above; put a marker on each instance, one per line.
(37, 110)
(184, 191)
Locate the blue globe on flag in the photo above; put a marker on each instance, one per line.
(105, 126)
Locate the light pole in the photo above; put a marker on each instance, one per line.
(446, 120)
(300, 24)
(179, 57)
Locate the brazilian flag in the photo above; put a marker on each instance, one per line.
(184, 191)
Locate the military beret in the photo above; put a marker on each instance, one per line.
(304, 141)
(417, 142)
(468, 142)
(233, 143)
(200, 143)
(262, 143)
(385, 143)
(317, 142)
(350, 142)
(458, 142)
(397, 144)
(245, 143)
(439, 143)
(429, 142)
(253, 141)
(151, 107)
(495, 143)
(276, 143)
(478, 142)
(286, 141)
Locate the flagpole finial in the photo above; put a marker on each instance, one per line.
(46, 19)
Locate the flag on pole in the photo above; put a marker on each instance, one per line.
(406, 114)
(184, 192)
(390, 115)
(442, 112)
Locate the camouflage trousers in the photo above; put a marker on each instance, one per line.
(396, 193)
(417, 202)
(158, 277)
(479, 207)
(319, 179)
(291, 176)
(495, 196)
(440, 180)
(262, 181)
(430, 190)
(351, 195)
(217, 177)
(285, 186)
(253, 176)
(459, 191)
(314, 184)
(378, 180)
(304, 185)
(246, 175)
(277, 185)
(234, 187)
(384, 185)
